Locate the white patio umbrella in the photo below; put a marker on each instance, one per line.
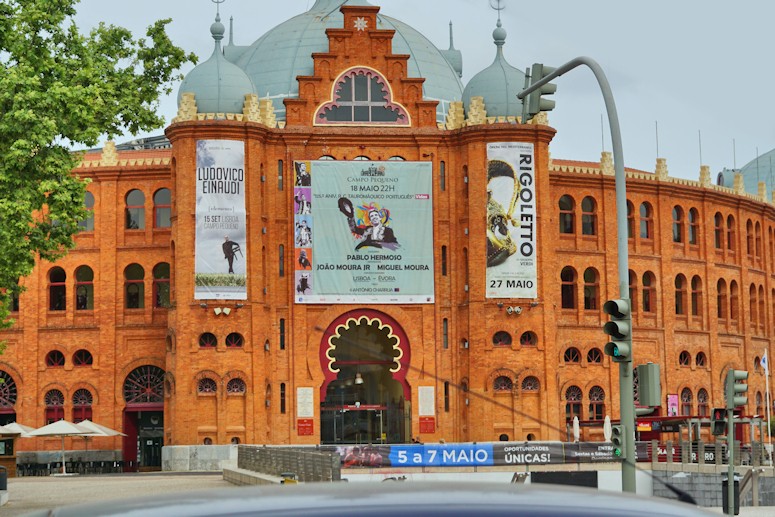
(16, 428)
(607, 428)
(62, 428)
(100, 430)
(576, 429)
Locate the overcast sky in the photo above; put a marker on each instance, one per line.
(697, 73)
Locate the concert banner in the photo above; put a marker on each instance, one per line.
(511, 221)
(220, 270)
(363, 232)
(486, 454)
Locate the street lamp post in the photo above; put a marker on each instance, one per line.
(626, 398)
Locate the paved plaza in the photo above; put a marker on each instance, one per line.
(26, 494)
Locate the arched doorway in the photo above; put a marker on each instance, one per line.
(144, 418)
(365, 398)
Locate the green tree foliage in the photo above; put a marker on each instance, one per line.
(60, 89)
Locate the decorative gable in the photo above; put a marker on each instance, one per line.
(359, 81)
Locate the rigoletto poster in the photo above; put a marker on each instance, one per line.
(221, 243)
(511, 221)
(363, 232)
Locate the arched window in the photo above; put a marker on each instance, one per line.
(734, 302)
(206, 386)
(594, 356)
(207, 340)
(84, 288)
(134, 286)
(588, 216)
(754, 306)
(758, 243)
(701, 360)
(759, 405)
(696, 295)
(703, 402)
(646, 221)
(678, 224)
(134, 214)
(82, 358)
(82, 403)
(55, 359)
(718, 231)
(87, 225)
(694, 227)
(236, 387)
(685, 358)
(680, 295)
(501, 338)
(362, 97)
(502, 384)
(572, 355)
(568, 288)
(234, 340)
(567, 217)
(731, 233)
(282, 396)
(161, 285)
(573, 397)
(528, 338)
(721, 300)
(162, 208)
(686, 402)
(591, 289)
(630, 220)
(55, 407)
(531, 383)
(762, 313)
(749, 239)
(57, 289)
(144, 385)
(649, 292)
(633, 291)
(8, 392)
(596, 403)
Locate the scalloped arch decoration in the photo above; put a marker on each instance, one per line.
(361, 96)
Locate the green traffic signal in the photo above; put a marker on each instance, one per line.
(735, 390)
(618, 439)
(620, 330)
(535, 101)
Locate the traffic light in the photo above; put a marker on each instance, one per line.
(735, 389)
(619, 328)
(618, 439)
(535, 101)
(718, 421)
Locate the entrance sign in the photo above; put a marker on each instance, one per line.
(363, 232)
(511, 221)
(220, 270)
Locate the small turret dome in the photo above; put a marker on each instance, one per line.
(218, 85)
(498, 84)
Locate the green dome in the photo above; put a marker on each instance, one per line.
(218, 85)
(499, 83)
(275, 60)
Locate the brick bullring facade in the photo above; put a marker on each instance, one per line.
(115, 332)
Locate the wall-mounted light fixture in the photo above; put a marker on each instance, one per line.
(203, 305)
(358, 378)
(239, 305)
